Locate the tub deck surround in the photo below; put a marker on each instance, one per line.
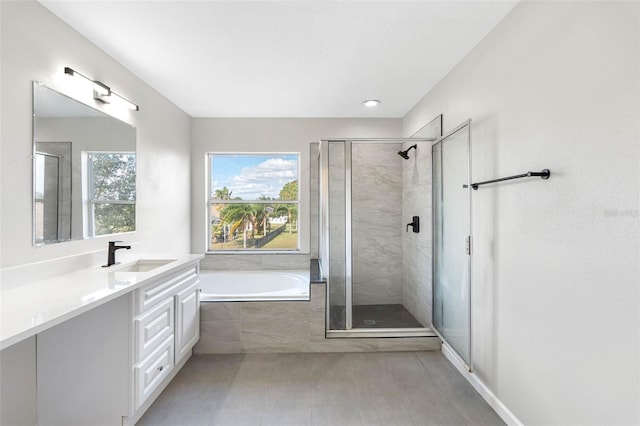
(29, 309)
(286, 327)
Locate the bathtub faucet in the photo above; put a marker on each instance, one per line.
(111, 256)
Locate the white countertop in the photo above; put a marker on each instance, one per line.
(26, 310)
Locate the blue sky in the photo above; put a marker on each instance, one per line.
(250, 176)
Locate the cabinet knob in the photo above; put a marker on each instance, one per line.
(160, 368)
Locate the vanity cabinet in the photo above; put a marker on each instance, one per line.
(83, 368)
(107, 366)
(166, 322)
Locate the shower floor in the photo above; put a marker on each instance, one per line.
(375, 316)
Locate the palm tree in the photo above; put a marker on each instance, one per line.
(222, 194)
(241, 216)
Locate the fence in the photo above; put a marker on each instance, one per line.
(259, 243)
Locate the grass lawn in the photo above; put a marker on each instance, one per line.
(283, 241)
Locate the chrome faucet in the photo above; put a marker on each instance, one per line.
(111, 257)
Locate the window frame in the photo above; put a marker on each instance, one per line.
(210, 201)
(92, 202)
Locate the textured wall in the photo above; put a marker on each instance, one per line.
(37, 45)
(555, 268)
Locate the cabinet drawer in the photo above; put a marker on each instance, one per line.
(153, 370)
(152, 328)
(158, 291)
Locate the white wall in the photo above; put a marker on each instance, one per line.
(555, 275)
(269, 135)
(36, 45)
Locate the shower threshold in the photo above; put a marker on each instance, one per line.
(381, 332)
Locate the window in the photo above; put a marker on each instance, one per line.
(111, 203)
(253, 202)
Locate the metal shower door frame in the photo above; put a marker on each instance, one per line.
(325, 226)
(469, 364)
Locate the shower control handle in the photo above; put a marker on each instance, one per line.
(415, 224)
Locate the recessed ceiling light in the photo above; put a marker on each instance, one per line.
(371, 103)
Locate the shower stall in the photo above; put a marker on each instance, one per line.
(394, 236)
(375, 235)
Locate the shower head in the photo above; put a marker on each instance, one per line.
(405, 154)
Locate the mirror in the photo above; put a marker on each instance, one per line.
(84, 170)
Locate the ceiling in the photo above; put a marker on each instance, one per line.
(286, 58)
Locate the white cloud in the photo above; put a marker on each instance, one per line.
(267, 178)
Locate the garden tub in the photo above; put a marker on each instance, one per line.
(242, 286)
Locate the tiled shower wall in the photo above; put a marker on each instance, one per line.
(416, 247)
(376, 223)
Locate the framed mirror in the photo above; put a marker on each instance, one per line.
(84, 170)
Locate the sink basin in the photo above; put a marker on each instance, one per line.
(144, 265)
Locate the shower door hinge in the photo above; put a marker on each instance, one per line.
(467, 245)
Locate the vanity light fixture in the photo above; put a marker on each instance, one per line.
(115, 99)
(102, 92)
(95, 85)
(371, 103)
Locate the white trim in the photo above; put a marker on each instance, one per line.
(212, 201)
(484, 391)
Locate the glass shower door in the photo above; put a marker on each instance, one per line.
(451, 240)
(339, 249)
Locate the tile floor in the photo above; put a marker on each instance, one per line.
(337, 389)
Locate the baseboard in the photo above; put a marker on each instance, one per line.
(473, 379)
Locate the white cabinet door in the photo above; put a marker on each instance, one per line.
(187, 320)
(152, 328)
